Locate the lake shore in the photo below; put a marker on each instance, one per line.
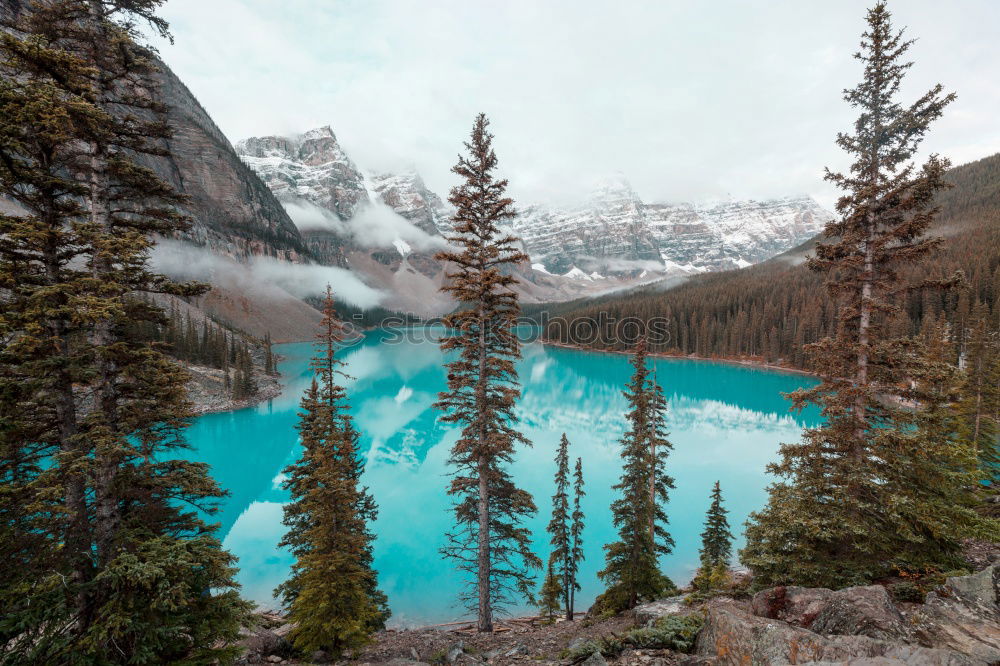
(749, 362)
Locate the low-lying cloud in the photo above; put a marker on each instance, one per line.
(184, 261)
(374, 225)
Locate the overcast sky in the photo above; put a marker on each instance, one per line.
(691, 100)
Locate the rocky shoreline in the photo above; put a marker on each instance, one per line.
(956, 623)
(207, 390)
(750, 362)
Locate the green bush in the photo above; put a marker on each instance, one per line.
(906, 591)
(672, 632)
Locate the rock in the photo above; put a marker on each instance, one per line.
(284, 629)
(320, 657)
(406, 662)
(649, 612)
(962, 615)
(795, 605)
(853, 611)
(414, 654)
(520, 648)
(454, 652)
(274, 659)
(263, 642)
(861, 611)
(734, 636)
(596, 659)
(905, 654)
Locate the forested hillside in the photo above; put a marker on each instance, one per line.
(771, 310)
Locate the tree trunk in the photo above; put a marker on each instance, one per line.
(485, 605)
(484, 573)
(77, 537)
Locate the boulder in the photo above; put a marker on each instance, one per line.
(645, 613)
(861, 611)
(454, 652)
(734, 636)
(962, 615)
(596, 659)
(795, 605)
(853, 611)
(906, 655)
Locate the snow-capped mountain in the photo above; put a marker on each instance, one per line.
(614, 232)
(386, 227)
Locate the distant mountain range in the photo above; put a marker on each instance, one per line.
(611, 235)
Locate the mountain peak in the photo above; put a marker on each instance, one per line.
(324, 132)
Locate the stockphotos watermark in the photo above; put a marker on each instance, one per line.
(602, 330)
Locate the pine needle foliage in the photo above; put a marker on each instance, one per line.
(716, 539)
(632, 572)
(332, 596)
(550, 596)
(565, 528)
(109, 558)
(716, 545)
(490, 542)
(576, 554)
(879, 485)
(978, 407)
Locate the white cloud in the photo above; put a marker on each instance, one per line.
(378, 225)
(308, 216)
(184, 261)
(690, 99)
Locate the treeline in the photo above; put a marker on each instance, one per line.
(771, 311)
(212, 345)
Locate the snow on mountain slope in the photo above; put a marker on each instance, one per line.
(616, 232)
(387, 227)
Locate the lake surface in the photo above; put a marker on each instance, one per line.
(726, 424)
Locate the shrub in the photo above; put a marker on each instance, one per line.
(672, 632)
(906, 591)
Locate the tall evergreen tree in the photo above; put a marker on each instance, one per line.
(332, 594)
(716, 539)
(632, 571)
(978, 407)
(856, 493)
(716, 545)
(559, 525)
(122, 569)
(550, 596)
(490, 542)
(576, 539)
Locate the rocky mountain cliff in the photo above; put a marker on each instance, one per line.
(233, 212)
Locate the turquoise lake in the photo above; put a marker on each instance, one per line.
(726, 423)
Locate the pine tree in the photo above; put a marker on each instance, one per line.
(123, 570)
(716, 539)
(559, 525)
(978, 407)
(269, 366)
(716, 542)
(632, 571)
(490, 542)
(550, 596)
(576, 539)
(856, 495)
(332, 595)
